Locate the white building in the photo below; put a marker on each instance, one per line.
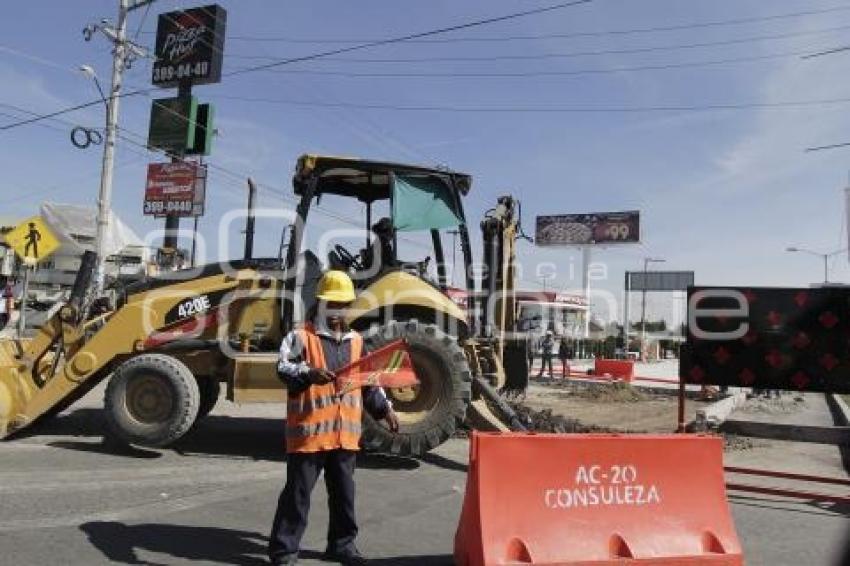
(76, 228)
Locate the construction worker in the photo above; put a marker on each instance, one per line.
(322, 426)
(564, 354)
(548, 348)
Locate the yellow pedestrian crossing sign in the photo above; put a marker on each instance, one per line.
(32, 240)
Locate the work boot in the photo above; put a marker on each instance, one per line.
(285, 560)
(348, 557)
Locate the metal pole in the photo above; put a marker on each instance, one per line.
(643, 309)
(454, 234)
(249, 220)
(627, 313)
(172, 221)
(104, 200)
(826, 268)
(585, 281)
(194, 239)
(24, 292)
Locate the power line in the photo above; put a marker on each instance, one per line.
(142, 21)
(594, 53)
(68, 110)
(522, 74)
(36, 58)
(408, 37)
(831, 146)
(550, 110)
(600, 33)
(517, 74)
(826, 52)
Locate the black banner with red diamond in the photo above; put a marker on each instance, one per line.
(768, 338)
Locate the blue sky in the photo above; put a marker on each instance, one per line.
(721, 192)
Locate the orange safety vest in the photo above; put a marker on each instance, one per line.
(319, 419)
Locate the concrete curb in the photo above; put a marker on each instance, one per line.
(840, 409)
(712, 416)
(836, 435)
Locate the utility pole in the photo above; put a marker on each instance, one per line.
(123, 53)
(585, 283)
(194, 239)
(249, 220)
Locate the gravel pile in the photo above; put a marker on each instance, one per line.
(774, 406)
(546, 421)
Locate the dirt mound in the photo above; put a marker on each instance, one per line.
(615, 392)
(611, 393)
(547, 421)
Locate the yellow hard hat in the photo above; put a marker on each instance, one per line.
(335, 286)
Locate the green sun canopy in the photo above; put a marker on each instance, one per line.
(422, 203)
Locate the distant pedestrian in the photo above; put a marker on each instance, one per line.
(564, 356)
(531, 346)
(548, 346)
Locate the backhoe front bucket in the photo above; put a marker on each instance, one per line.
(15, 387)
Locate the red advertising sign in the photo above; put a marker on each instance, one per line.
(175, 188)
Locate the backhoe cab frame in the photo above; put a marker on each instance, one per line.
(369, 182)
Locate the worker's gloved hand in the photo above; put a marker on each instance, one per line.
(318, 376)
(392, 420)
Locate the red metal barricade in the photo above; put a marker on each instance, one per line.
(619, 369)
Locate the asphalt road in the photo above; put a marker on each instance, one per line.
(66, 497)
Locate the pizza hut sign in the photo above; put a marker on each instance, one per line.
(189, 46)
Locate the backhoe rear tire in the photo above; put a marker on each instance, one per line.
(151, 400)
(430, 412)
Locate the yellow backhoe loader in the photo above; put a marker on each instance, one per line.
(169, 344)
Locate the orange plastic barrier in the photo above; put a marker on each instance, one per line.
(589, 499)
(621, 369)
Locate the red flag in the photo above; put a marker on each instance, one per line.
(389, 366)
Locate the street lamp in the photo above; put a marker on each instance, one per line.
(88, 72)
(824, 256)
(646, 262)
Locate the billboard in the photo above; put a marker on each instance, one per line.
(173, 123)
(659, 280)
(595, 228)
(768, 338)
(177, 189)
(189, 46)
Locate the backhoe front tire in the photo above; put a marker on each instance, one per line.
(151, 400)
(430, 412)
